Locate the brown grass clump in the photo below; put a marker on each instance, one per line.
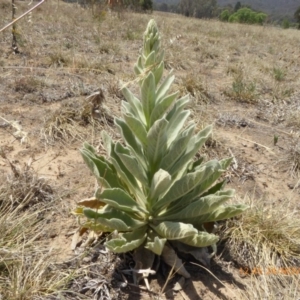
(293, 118)
(24, 187)
(264, 242)
(71, 121)
(192, 84)
(265, 237)
(27, 269)
(242, 89)
(290, 158)
(28, 84)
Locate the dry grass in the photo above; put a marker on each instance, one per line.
(289, 160)
(23, 187)
(264, 243)
(27, 268)
(261, 287)
(76, 120)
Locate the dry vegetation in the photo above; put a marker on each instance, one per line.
(244, 79)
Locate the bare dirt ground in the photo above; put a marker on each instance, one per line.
(243, 79)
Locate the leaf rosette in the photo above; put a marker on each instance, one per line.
(153, 193)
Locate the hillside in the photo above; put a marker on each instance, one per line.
(276, 8)
(272, 7)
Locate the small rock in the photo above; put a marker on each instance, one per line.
(86, 259)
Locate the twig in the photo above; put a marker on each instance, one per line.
(235, 165)
(170, 276)
(267, 148)
(23, 15)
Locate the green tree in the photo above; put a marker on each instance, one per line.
(297, 16)
(285, 24)
(248, 16)
(224, 16)
(146, 5)
(237, 6)
(198, 8)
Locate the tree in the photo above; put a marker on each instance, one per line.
(248, 16)
(297, 16)
(163, 7)
(285, 24)
(224, 16)
(147, 5)
(237, 6)
(198, 8)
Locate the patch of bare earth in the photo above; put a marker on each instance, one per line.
(243, 79)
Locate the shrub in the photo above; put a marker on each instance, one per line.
(297, 17)
(153, 193)
(285, 24)
(248, 16)
(147, 5)
(224, 16)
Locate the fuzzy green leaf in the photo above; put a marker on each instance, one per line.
(131, 164)
(202, 239)
(198, 207)
(158, 71)
(161, 183)
(135, 104)
(192, 148)
(101, 168)
(157, 142)
(137, 128)
(178, 107)
(127, 241)
(164, 87)
(119, 199)
(170, 258)
(148, 95)
(174, 230)
(127, 178)
(155, 244)
(115, 219)
(161, 107)
(138, 67)
(180, 188)
(212, 171)
(178, 147)
(176, 125)
(133, 144)
(221, 213)
(150, 60)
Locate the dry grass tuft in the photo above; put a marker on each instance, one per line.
(192, 84)
(264, 242)
(71, 121)
(293, 118)
(242, 89)
(28, 84)
(290, 161)
(27, 268)
(271, 287)
(265, 237)
(23, 187)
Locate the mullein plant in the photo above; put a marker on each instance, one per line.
(152, 193)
